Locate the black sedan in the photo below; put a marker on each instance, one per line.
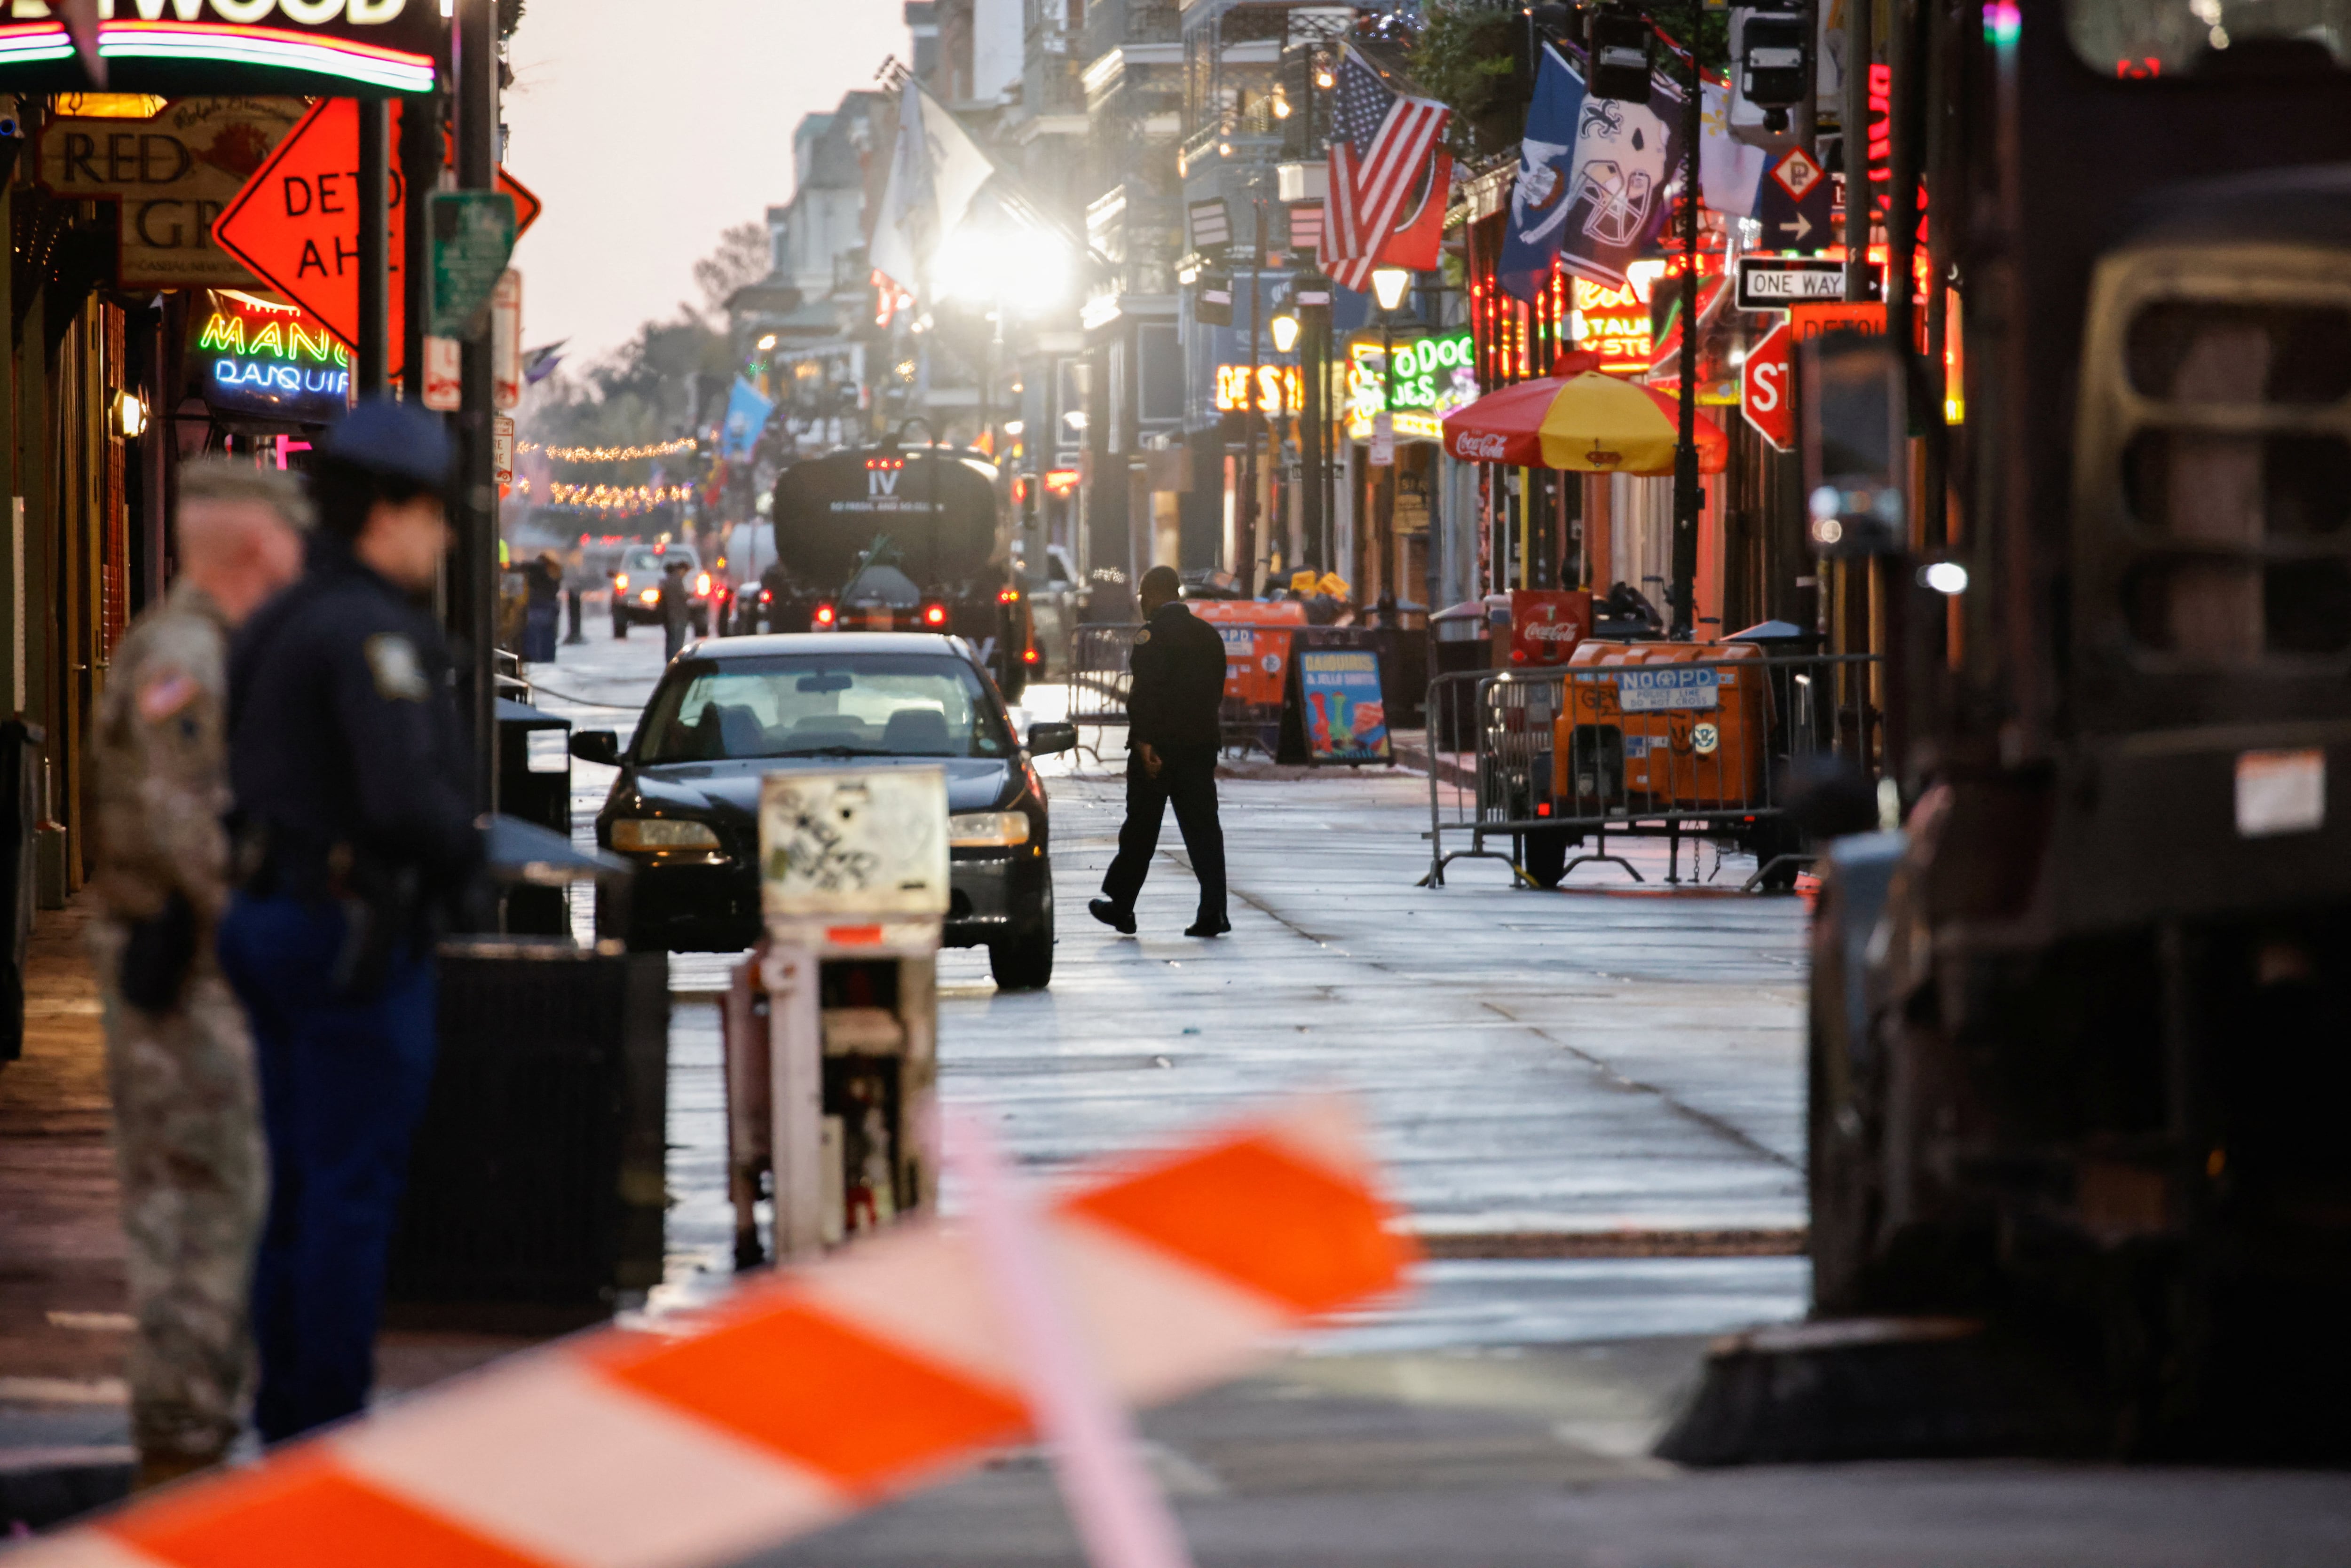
(685, 808)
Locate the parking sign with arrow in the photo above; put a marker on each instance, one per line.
(1796, 204)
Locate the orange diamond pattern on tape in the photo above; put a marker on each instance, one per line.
(1263, 1219)
(857, 1411)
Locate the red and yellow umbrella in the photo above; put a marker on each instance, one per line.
(1592, 422)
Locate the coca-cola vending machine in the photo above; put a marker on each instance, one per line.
(1546, 624)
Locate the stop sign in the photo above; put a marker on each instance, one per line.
(1765, 388)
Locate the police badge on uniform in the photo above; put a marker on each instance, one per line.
(399, 672)
(1142, 636)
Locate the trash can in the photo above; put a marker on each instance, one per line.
(535, 785)
(536, 1186)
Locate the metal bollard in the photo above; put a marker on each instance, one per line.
(576, 635)
(831, 1026)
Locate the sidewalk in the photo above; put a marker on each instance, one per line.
(64, 1324)
(63, 1330)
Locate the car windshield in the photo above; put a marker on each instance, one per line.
(2141, 39)
(832, 705)
(654, 560)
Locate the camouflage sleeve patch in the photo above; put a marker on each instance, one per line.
(398, 670)
(166, 692)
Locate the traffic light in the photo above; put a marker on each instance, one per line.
(1770, 46)
(1621, 42)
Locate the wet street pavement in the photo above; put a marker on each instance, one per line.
(1546, 1075)
(1538, 1068)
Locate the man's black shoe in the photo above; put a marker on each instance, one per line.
(1119, 920)
(1202, 928)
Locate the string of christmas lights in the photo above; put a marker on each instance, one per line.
(602, 495)
(612, 454)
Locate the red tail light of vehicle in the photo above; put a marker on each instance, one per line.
(766, 596)
(825, 617)
(934, 615)
(1031, 657)
(1008, 596)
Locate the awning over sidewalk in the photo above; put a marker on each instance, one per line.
(1590, 422)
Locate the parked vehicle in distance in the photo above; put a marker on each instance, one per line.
(905, 539)
(685, 807)
(637, 587)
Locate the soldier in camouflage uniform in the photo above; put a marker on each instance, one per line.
(188, 1139)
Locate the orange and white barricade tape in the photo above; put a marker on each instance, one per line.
(804, 1397)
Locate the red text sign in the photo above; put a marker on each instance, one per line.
(1764, 382)
(295, 224)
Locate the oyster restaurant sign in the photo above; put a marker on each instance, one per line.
(352, 47)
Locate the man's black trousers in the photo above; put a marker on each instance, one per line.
(1187, 779)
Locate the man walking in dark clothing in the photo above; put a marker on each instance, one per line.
(676, 607)
(1172, 737)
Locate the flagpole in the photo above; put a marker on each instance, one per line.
(1687, 497)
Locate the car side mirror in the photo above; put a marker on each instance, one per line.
(1045, 739)
(601, 746)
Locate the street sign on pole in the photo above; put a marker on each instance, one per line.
(1765, 384)
(1382, 440)
(502, 450)
(444, 384)
(472, 235)
(1796, 204)
(1776, 282)
(505, 342)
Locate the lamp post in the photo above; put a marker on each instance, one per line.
(1388, 285)
(1250, 409)
(1689, 498)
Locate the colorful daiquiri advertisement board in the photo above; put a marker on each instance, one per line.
(1346, 718)
(255, 358)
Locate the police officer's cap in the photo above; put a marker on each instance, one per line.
(395, 441)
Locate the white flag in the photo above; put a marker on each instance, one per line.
(1729, 171)
(935, 172)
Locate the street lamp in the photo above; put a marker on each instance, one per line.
(1284, 327)
(766, 342)
(1388, 283)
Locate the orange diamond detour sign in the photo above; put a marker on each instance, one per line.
(295, 224)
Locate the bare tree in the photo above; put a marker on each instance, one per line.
(742, 258)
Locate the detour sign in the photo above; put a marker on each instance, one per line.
(295, 224)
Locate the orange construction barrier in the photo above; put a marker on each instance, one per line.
(1662, 727)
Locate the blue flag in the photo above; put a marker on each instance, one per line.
(1627, 154)
(1593, 174)
(1539, 200)
(747, 416)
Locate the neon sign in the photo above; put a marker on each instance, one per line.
(258, 359)
(386, 44)
(1613, 323)
(1280, 388)
(1435, 374)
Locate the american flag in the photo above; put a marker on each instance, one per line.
(1380, 146)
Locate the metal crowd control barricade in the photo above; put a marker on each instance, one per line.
(1099, 677)
(1668, 740)
(831, 1025)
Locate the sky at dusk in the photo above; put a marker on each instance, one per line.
(648, 126)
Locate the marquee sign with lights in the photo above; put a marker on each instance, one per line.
(254, 359)
(347, 48)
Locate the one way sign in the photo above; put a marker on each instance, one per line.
(1797, 203)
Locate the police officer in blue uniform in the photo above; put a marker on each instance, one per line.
(1173, 713)
(355, 828)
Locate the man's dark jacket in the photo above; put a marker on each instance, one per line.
(1179, 681)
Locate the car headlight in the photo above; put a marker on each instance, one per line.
(650, 596)
(643, 834)
(987, 829)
